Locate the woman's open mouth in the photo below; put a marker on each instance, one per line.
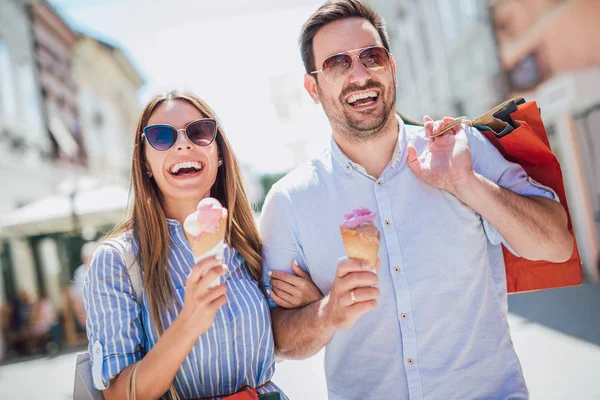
(186, 169)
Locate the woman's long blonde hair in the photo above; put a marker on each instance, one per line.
(148, 220)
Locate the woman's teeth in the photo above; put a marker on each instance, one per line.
(186, 165)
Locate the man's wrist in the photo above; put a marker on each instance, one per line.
(323, 315)
(468, 188)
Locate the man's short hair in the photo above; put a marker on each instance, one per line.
(331, 11)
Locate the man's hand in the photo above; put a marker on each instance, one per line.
(447, 164)
(352, 293)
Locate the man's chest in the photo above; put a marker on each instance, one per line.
(427, 234)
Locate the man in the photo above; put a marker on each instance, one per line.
(432, 323)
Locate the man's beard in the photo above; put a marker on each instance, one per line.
(355, 127)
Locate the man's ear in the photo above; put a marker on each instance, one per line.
(393, 64)
(310, 84)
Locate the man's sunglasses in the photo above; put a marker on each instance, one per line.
(162, 137)
(337, 67)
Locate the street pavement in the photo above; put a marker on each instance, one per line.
(556, 334)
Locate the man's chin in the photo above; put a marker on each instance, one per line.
(366, 123)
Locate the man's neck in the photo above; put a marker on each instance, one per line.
(373, 154)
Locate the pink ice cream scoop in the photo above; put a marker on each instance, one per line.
(357, 216)
(209, 214)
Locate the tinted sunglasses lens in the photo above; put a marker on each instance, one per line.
(375, 59)
(161, 138)
(202, 133)
(336, 68)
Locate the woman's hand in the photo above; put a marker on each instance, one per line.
(293, 290)
(201, 303)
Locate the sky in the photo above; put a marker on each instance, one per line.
(229, 52)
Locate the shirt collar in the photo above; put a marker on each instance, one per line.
(173, 223)
(350, 166)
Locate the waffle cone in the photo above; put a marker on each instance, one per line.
(361, 243)
(207, 241)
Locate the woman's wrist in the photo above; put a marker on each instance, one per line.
(185, 327)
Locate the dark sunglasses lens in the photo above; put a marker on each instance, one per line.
(375, 59)
(202, 133)
(161, 137)
(336, 68)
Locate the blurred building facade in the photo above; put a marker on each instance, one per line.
(549, 52)
(25, 147)
(446, 57)
(54, 42)
(68, 110)
(27, 168)
(304, 123)
(108, 85)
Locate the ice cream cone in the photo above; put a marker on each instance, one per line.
(201, 245)
(360, 236)
(362, 242)
(205, 231)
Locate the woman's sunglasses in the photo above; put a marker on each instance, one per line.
(338, 66)
(162, 137)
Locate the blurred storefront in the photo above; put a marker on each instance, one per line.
(549, 52)
(68, 110)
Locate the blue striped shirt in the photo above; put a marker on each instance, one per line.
(440, 330)
(236, 350)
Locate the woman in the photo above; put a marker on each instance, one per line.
(181, 336)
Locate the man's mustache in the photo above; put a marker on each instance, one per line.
(355, 88)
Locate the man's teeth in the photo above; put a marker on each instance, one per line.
(360, 96)
(188, 164)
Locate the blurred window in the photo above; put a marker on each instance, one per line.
(8, 98)
(455, 15)
(31, 104)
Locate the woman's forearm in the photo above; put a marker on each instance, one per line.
(160, 365)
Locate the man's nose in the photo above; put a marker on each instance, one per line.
(358, 74)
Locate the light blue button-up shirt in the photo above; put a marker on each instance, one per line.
(440, 329)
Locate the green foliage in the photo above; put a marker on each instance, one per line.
(266, 181)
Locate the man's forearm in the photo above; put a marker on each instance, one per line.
(534, 227)
(302, 332)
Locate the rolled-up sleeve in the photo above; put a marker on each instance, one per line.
(488, 162)
(113, 321)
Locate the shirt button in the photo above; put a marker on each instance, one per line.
(379, 183)
(387, 222)
(404, 316)
(410, 361)
(396, 269)
(347, 168)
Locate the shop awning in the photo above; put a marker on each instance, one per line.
(97, 206)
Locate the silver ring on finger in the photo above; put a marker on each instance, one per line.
(352, 296)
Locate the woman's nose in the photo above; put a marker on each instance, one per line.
(182, 140)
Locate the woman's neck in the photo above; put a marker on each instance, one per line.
(179, 209)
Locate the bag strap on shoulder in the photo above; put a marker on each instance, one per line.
(131, 265)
